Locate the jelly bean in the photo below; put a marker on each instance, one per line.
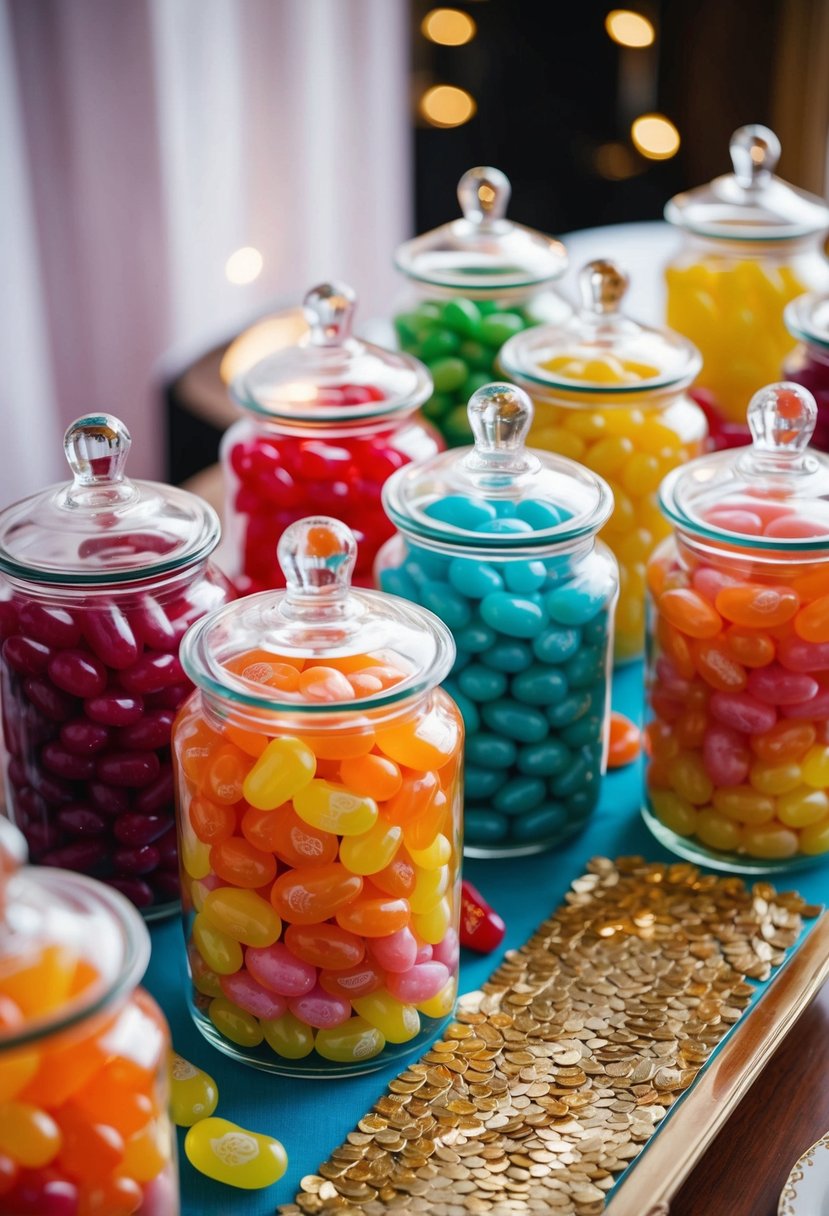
(354, 1040)
(372, 776)
(480, 683)
(460, 512)
(795, 654)
(374, 915)
(815, 707)
(427, 743)
(78, 673)
(725, 756)
(748, 647)
(396, 1021)
(291, 838)
(515, 721)
(786, 741)
(210, 821)
(235, 1023)
(193, 1093)
(397, 952)
(28, 1134)
(520, 795)
(690, 779)
(307, 896)
(289, 1037)
(397, 879)
(114, 708)
(812, 621)
(434, 855)
(324, 684)
(757, 607)
(776, 778)
(285, 767)
(624, 741)
(717, 831)
(690, 613)
(333, 808)
(544, 759)
(744, 804)
(132, 769)
(325, 945)
(540, 686)
(814, 839)
(225, 775)
(355, 981)
(221, 952)
(372, 850)
(64, 764)
(743, 712)
(26, 656)
(777, 686)
(152, 732)
(51, 625)
(430, 887)
(570, 710)
(484, 827)
(507, 656)
(228, 1153)
(514, 615)
(419, 983)
(675, 812)
(771, 840)
(237, 862)
(815, 767)
(243, 915)
(474, 579)
(55, 705)
(432, 926)
(108, 632)
(802, 807)
(320, 1009)
(242, 990)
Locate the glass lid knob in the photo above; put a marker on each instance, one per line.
(781, 418)
(483, 194)
(500, 417)
(330, 311)
(755, 151)
(97, 447)
(602, 286)
(317, 557)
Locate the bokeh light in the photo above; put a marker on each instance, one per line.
(445, 105)
(655, 136)
(448, 27)
(629, 28)
(244, 266)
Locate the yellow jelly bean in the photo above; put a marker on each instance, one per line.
(610, 455)
(676, 813)
(228, 1153)
(815, 767)
(16, 1070)
(195, 854)
(434, 855)
(350, 1042)
(641, 475)
(204, 979)
(284, 768)
(429, 889)
(802, 807)
(690, 780)
(288, 1037)
(772, 841)
(193, 1092)
(557, 439)
(743, 804)
(442, 1004)
(222, 953)
(373, 850)
(398, 1023)
(147, 1151)
(242, 915)
(815, 838)
(333, 808)
(234, 1023)
(718, 832)
(775, 778)
(431, 926)
(588, 424)
(29, 1135)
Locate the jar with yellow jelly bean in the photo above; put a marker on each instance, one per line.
(472, 284)
(84, 1051)
(737, 720)
(318, 771)
(751, 243)
(611, 393)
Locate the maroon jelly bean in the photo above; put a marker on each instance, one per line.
(133, 770)
(11, 725)
(167, 846)
(158, 795)
(136, 861)
(80, 855)
(138, 830)
(33, 805)
(55, 790)
(8, 619)
(52, 702)
(83, 738)
(169, 698)
(167, 885)
(152, 673)
(26, 656)
(135, 889)
(78, 672)
(151, 625)
(64, 764)
(109, 799)
(77, 820)
(41, 838)
(109, 634)
(151, 732)
(18, 775)
(114, 708)
(51, 625)
(37, 1194)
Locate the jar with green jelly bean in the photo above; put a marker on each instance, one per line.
(471, 285)
(499, 541)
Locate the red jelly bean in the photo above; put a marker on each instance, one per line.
(795, 654)
(133, 769)
(82, 855)
(84, 738)
(51, 702)
(152, 673)
(158, 794)
(26, 656)
(52, 626)
(81, 821)
(136, 890)
(109, 634)
(136, 861)
(78, 672)
(64, 764)
(114, 708)
(151, 625)
(725, 755)
(110, 799)
(138, 830)
(148, 734)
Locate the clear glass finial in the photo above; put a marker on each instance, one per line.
(97, 447)
(330, 308)
(755, 151)
(317, 557)
(781, 418)
(500, 416)
(602, 286)
(483, 194)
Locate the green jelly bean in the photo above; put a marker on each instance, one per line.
(440, 344)
(437, 405)
(508, 656)
(557, 645)
(448, 374)
(545, 759)
(524, 577)
(474, 578)
(516, 616)
(473, 382)
(446, 603)
(456, 428)
(569, 710)
(430, 309)
(462, 316)
(476, 355)
(549, 821)
(468, 709)
(520, 794)
(583, 732)
(396, 581)
(484, 827)
(412, 329)
(499, 327)
(575, 603)
(541, 515)
(540, 686)
(481, 683)
(482, 782)
(475, 638)
(487, 307)
(460, 511)
(490, 751)
(516, 721)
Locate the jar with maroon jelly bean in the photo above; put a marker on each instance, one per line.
(326, 422)
(100, 579)
(807, 320)
(737, 720)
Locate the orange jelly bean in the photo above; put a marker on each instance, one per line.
(211, 821)
(812, 622)
(717, 667)
(748, 647)
(325, 945)
(237, 861)
(756, 606)
(375, 916)
(372, 776)
(690, 613)
(307, 896)
(225, 774)
(624, 743)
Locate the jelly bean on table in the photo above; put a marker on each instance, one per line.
(228, 1153)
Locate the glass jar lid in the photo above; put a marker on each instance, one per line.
(272, 650)
(770, 495)
(498, 497)
(101, 527)
(750, 204)
(483, 252)
(599, 350)
(329, 376)
(807, 319)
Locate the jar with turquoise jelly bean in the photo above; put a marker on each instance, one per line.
(471, 285)
(499, 541)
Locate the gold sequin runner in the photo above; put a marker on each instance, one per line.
(552, 1079)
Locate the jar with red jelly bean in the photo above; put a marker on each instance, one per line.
(737, 722)
(318, 770)
(807, 320)
(100, 579)
(84, 1052)
(326, 422)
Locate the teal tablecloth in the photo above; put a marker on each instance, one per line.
(313, 1117)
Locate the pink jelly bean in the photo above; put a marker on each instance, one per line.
(245, 992)
(320, 1009)
(136, 861)
(397, 951)
(51, 701)
(780, 687)
(81, 855)
(278, 969)
(52, 626)
(419, 983)
(83, 738)
(26, 656)
(796, 655)
(670, 682)
(64, 764)
(424, 953)
(152, 673)
(109, 799)
(77, 672)
(158, 794)
(134, 769)
(108, 632)
(138, 830)
(136, 890)
(748, 523)
(78, 820)
(151, 625)
(448, 951)
(726, 756)
(152, 732)
(816, 707)
(795, 526)
(37, 1194)
(742, 712)
(710, 582)
(114, 708)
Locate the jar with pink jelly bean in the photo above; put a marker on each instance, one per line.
(100, 579)
(737, 721)
(807, 320)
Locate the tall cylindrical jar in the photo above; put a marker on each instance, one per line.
(319, 793)
(807, 320)
(751, 243)
(325, 422)
(84, 1052)
(737, 720)
(612, 394)
(500, 542)
(471, 285)
(101, 577)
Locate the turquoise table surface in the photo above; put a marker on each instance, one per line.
(312, 1117)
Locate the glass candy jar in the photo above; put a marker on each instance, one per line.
(326, 421)
(611, 393)
(101, 578)
(472, 284)
(319, 795)
(84, 1051)
(737, 720)
(807, 320)
(500, 542)
(751, 243)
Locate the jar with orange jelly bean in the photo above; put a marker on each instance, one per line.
(611, 393)
(84, 1052)
(737, 721)
(318, 772)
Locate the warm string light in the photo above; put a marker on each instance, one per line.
(244, 266)
(655, 136)
(446, 105)
(448, 27)
(629, 29)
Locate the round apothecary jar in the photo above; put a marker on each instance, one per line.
(807, 320)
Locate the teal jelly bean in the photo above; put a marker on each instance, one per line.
(448, 374)
(474, 578)
(569, 710)
(520, 794)
(482, 782)
(506, 526)
(516, 721)
(490, 751)
(462, 316)
(549, 821)
(557, 645)
(585, 731)
(585, 667)
(508, 656)
(544, 759)
(437, 405)
(516, 616)
(484, 827)
(540, 686)
(584, 800)
(574, 604)
(462, 659)
(440, 344)
(475, 638)
(504, 509)
(499, 327)
(476, 355)
(468, 709)
(446, 603)
(481, 683)
(422, 565)
(578, 776)
(597, 631)
(460, 511)
(395, 581)
(541, 515)
(524, 577)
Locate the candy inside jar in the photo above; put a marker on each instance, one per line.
(807, 320)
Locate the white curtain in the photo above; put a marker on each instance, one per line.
(141, 143)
